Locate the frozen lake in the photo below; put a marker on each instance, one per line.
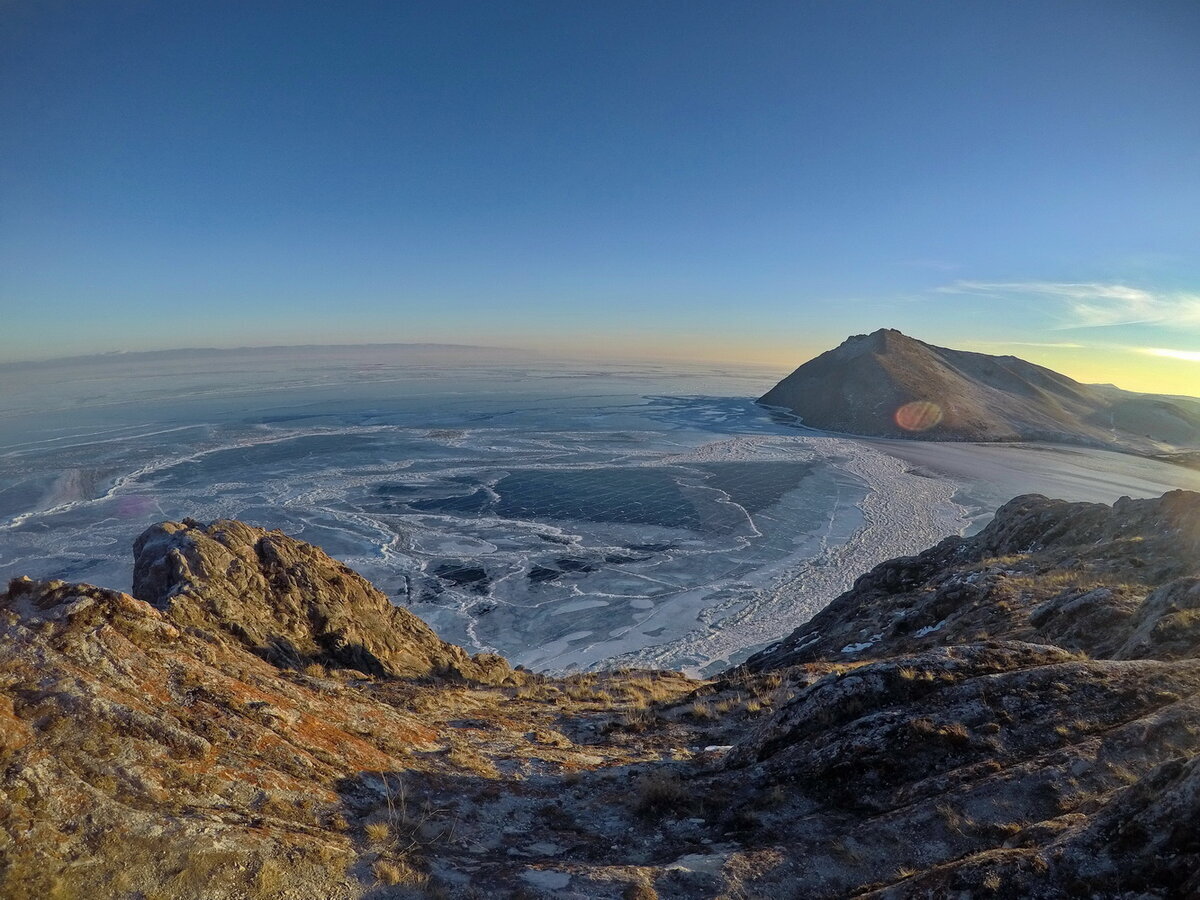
(566, 515)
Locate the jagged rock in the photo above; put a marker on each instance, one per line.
(1142, 844)
(1014, 714)
(147, 752)
(289, 602)
(1167, 623)
(1112, 581)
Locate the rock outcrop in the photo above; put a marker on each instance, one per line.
(887, 384)
(1028, 700)
(1013, 714)
(288, 602)
(1115, 582)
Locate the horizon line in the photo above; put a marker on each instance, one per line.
(113, 355)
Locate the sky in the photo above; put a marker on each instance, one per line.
(691, 180)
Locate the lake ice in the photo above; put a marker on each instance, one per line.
(565, 515)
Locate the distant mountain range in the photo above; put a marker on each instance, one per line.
(887, 384)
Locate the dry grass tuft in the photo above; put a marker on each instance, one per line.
(378, 832)
(950, 733)
(701, 711)
(729, 703)
(399, 872)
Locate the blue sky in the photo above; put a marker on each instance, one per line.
(665, 179)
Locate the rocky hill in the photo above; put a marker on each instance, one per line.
(1013, 714)
(887, 384)
(288, 602)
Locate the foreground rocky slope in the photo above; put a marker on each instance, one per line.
(1014, 714)
(887, 384)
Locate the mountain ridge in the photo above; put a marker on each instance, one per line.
(887, 384)
(1027, 700)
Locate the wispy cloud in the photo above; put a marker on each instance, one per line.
(1187, 355)
(1095, 305)
(1057, 345)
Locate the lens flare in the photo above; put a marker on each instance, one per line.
(920, 415)
(133, 506)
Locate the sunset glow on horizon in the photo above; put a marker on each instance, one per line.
(683, 182)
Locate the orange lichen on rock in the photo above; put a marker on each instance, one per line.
(13, 732)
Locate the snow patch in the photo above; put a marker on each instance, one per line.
(859, 648)
(930, 629)
(546, 879)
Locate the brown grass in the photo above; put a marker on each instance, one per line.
(701, 711)
(399, 872)
(378, 832)
(729, 703)
(951, 732)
